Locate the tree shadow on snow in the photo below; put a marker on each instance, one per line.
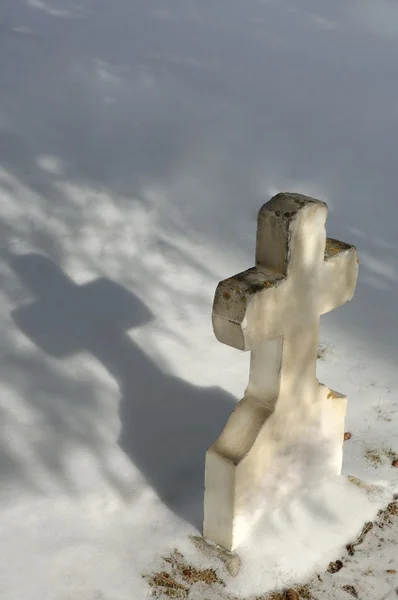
(166, 423)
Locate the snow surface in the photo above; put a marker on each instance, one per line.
(137, 142)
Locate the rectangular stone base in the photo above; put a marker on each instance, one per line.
(289, 452)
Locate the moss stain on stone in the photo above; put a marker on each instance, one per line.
(334, 247)
(248, 283)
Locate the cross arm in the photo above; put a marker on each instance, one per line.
(340, 273)
(245, 308)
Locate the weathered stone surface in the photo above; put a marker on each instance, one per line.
(231, 560)
(273, 310)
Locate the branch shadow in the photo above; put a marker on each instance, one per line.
(172, 88)
(166, 423)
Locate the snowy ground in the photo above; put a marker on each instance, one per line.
(137, 142)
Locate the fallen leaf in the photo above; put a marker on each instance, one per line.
(334, 567)
(350, 590)
(291, 595)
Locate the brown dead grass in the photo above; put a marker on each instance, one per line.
(165, 583)
(304, 592)
(300, 592)
(375, 455)
(386, 516)
(178, 580)
(389, 453)
(177, 577)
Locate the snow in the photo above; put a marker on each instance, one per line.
(137, 142)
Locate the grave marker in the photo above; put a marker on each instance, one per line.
(266, 450)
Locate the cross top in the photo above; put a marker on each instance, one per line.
(273, 310)
(292, 255)
(291, 226)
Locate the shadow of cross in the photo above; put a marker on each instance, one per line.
(273, 310)
(69, 318)
(165, 423)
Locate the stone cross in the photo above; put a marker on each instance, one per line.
(288, 429)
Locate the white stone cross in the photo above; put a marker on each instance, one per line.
(288, 429)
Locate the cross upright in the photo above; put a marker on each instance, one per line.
(273, 310)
